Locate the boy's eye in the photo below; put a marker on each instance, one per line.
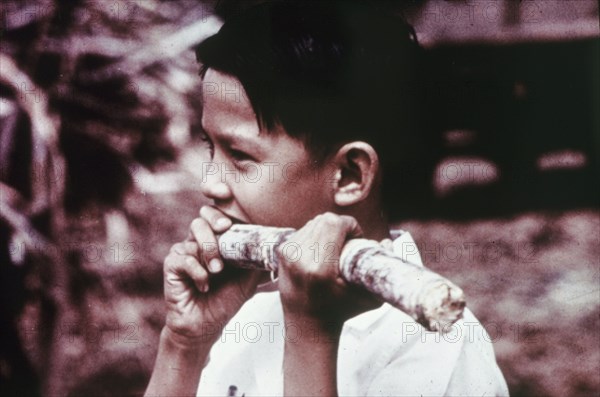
(239, 155)
(211, 147)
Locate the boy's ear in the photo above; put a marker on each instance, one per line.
(357, 166)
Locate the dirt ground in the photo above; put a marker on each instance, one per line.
(533, 279)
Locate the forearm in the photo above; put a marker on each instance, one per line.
(178, 366)
(310, 360)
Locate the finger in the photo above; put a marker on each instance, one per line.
(184, 267)
(209, 252)
(351, 227)
(196, 273)
(185, 248)
(218, 221)
(341, 227)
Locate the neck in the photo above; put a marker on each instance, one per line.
(373, 222)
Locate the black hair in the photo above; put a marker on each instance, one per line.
(329, 72)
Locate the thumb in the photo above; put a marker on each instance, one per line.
(351, 227)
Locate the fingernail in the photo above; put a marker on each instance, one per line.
(223, 222)
(215, 265)
(204, 288)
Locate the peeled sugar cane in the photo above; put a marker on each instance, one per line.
(432, 300)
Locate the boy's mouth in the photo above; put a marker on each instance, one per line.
(233, 219)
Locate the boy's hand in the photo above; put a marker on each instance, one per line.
(310, 284)
(201, 295)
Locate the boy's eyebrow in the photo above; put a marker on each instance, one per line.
(241, 141)
(232, 138)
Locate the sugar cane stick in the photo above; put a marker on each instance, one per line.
(430, 299)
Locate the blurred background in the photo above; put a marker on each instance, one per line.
(100, 169)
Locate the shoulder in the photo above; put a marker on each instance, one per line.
(393, 355)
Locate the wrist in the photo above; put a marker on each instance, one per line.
(178, 365)
(305, 329)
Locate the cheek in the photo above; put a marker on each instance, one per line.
(289, 198)
(293, 172)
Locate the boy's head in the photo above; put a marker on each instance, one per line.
(327, 73)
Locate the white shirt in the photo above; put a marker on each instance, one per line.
(382, 352)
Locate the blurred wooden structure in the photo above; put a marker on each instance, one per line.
(96, 95)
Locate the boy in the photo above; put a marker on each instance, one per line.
(326, 108)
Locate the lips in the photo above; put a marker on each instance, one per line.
(234, 219)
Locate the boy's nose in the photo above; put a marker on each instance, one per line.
(214, 188)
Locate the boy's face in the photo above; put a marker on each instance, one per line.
(260, 177)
